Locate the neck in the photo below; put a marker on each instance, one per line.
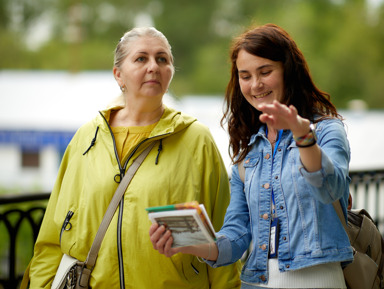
(137, 116)
(272, 134)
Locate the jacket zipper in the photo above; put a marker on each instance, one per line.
(121, 205)
(65, 224)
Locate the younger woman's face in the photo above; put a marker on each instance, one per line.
(261, 80)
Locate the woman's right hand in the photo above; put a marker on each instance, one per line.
(162, 240)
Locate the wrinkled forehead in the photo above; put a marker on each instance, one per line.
(149, 44)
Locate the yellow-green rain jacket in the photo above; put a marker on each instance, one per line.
(189, 167)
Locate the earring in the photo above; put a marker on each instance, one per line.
(122, 88)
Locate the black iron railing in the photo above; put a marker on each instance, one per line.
(367, 190)
(20, 213)
(20, 218)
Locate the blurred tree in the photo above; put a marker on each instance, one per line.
(342, 40)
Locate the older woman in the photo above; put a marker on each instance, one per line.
(285, 179)
(184, 166)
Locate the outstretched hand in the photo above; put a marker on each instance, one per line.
(280, 116)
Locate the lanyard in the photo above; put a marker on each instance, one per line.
(277, 142)
(273, 155)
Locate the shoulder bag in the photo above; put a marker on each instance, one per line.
(73, 273)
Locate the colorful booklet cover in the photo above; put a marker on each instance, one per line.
(188, 222)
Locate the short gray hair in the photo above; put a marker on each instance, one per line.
(122, 48)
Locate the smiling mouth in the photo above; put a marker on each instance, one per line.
(263, 94)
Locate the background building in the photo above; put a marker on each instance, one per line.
(41, 110)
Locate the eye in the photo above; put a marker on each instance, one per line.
(265, 73)
(140, 59)
(244, 76)
(162, 59)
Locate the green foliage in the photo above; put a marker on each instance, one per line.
(341, 40)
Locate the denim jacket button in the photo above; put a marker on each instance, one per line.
(266, 186)
(267, 156)
(265, 216)
(263, 247)
(262, 278)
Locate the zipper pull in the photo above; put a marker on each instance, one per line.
(66, 223)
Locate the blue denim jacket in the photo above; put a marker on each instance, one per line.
(310, 230)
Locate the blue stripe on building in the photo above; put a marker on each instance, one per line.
(33, 140)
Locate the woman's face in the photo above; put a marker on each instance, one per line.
(261, 80)
(147, 70)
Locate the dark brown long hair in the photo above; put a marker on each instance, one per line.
(272, 42)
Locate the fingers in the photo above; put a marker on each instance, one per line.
(153, 228)
(156, 233)
(162, 240)
(276, 108)
(168, 250)
(162, 245)
(277, 115)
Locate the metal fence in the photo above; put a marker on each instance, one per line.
(27, 210)
(367, 190)
(20, 220)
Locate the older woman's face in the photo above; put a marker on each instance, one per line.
(147, 70)
(261, 80)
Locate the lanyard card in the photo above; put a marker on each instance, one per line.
(273, 244)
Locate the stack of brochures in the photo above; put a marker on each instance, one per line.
(188, 222)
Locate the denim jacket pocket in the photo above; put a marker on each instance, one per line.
(249, 164)
(251, 161)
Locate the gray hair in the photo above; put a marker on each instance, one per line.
(123, 47)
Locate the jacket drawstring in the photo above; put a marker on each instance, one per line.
(93, 141)
(158, 151)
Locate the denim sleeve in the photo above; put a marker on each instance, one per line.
(234, 237)
(225, 253)
(331, 182)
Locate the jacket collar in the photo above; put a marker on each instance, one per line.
(172, 121)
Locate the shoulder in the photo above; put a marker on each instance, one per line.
(331, 129)
(87, 131)
(179, 122)
(197, 126)
(330, 124)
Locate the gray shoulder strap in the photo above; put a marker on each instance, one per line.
(241, 168)
(93, 252)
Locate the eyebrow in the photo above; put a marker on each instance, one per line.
(146, 53)
(259, 68)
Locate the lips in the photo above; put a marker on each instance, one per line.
(263, 94)
(152, 81)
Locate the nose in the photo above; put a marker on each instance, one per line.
(257, 83)
(153, 66)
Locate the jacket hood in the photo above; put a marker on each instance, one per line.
(172, 121)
